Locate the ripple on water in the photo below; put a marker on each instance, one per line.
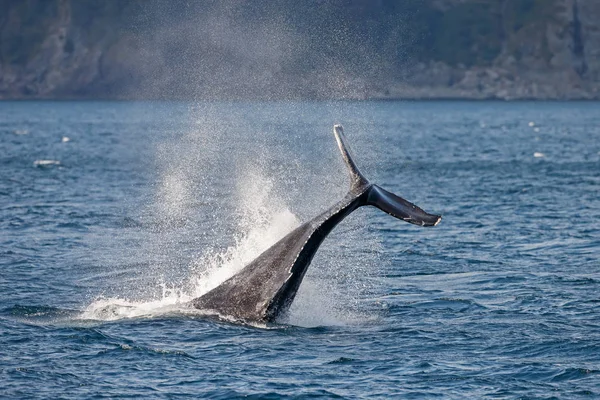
(105, 236)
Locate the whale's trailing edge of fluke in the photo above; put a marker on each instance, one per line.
(266, 287)
(398, 207)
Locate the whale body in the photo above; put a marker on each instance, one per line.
(265, 288)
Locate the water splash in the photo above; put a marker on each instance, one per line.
(263, 219)
(115, 308)
(174, 196)
(211, 214)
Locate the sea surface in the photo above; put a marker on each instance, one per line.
(114, 215)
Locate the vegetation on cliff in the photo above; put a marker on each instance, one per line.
(286, 48)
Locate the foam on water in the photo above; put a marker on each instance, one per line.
(115, 308)
(46, 163)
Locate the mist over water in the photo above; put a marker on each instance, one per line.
(265, 50)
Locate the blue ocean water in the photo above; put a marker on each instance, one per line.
(114, 214)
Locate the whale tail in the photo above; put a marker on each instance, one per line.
(266, 286)
(376, 196)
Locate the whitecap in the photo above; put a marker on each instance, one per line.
(45, 163)
(538, 155)
(65, 139)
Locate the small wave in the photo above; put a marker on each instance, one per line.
(445, 303)
(38, 314)
(129, 222)
(124, 347)
(45, 163)
(72, 225)
(571, 374)
(342, 360)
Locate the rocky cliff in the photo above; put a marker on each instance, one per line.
(476, 49)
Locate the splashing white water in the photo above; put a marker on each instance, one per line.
(263, 220)
(115, 308)
(207, 200)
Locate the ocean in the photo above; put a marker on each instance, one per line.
(114, 215)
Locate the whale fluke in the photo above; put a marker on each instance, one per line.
(266, 287)
(400, 208)
(388, 202)
(357, 179)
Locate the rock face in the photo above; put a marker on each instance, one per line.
(471, 49)
(542, 50)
